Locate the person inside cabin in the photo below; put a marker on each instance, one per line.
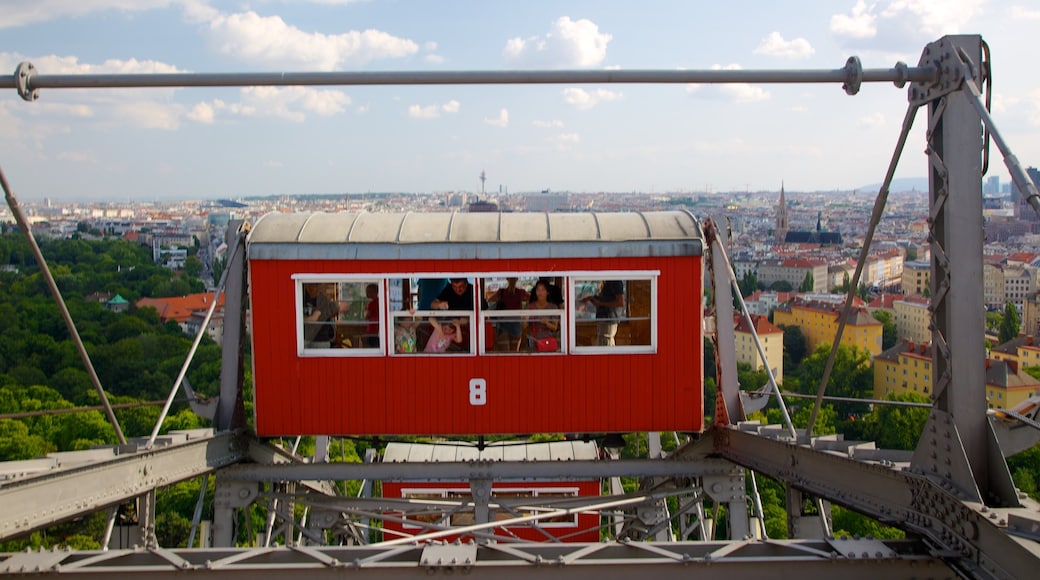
(320, 310)
(372, 316)
(541, 330)
(610, 308)
(404, 333)
(555, 291)
(444, 335)
(457, 296)
(510, 298)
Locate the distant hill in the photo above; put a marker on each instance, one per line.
(899, 185)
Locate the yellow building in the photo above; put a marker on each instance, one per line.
(1023, 350)
(1007, 384)
(911, 318)
(917, 278)
(772, 339)
(904, 368)
(819, 324)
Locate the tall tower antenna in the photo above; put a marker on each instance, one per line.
(483, 178)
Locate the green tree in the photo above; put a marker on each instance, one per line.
(795, 347)
(851, 377)
(808, 284)
(748, 283)
(889, 332)
(1010, 325)
(781, 286)
(896, 426)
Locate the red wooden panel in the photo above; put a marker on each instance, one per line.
(430, 395)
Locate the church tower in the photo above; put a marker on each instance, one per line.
(780, 231)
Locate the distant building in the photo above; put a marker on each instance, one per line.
(782, 225)
(819, 323)
(904, 368)
(1022, 349)
(916, 279)
(771, 338)
(793, 271)
(1007, 384)
(912, 318)
(117, 304)
(180, 309)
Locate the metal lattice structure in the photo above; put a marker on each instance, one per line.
(953, 495)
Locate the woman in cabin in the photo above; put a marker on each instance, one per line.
(541, 331)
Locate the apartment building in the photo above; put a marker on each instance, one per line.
(769, 335)
(819, 323)
(904, 368)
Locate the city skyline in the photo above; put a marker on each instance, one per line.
(166, 144)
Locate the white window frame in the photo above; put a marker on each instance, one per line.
(476, 332)
(301, 349)
(625, 276)
(490, 316)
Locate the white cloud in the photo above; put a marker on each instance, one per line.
(1022, 13)
(290, 103)
(433, 111)
(502, 120)
(902, 25)
(15, 13)
(77, 156)
(205, 112)
(270, 41)
(582, 99)
(736, 92)
(871, 121)
(775, 45)
(568, 43)
(551, 124)
(859, 24)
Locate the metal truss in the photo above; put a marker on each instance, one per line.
(808, 559)
(41, 492)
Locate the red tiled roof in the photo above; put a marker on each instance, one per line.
(179, 308)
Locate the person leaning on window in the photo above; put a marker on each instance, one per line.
(610, 307)
(319, 311)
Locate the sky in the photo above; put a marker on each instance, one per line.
(206, 143)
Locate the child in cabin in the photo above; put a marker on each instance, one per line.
(404, 332)
(443, 335)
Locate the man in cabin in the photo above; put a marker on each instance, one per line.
(320, 309)
(610, 307)
(457, 296)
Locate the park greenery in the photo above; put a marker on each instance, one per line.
(137, 359)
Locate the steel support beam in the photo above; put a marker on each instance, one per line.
(806, 560)
(975, 536)
(465, 471)
(58, 494)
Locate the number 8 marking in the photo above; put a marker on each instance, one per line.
(477, 392)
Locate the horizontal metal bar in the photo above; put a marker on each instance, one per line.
(35, 81)
(804, 559)
(464, 471)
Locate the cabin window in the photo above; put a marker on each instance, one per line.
(524, 314)
(433, 315)
(340, 317)
(614, 313)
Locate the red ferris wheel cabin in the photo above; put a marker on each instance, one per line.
(476, 323)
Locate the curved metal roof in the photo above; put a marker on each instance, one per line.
(472, 235)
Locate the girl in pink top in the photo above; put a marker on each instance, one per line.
(443, 335)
